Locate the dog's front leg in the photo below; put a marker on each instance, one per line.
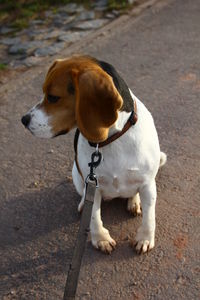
(145, 238)
(100, 236)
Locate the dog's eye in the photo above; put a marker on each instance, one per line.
(52, 99)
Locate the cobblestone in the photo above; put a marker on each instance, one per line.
(48, 36)
(72, 36)
(90, 25)
(50, 50)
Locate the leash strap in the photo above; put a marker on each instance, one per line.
(91, 183)
(74, 269)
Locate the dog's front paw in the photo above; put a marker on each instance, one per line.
(103, 241)
(144, 241)
(133, 205)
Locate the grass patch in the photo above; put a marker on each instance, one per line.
(18, 13)
(20, 23)
(117, 4)
(3, 66)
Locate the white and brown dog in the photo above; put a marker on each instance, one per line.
(89, 94)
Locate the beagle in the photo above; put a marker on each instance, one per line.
(82, 92)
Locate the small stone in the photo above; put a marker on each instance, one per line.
(69, 19)
(86, 15)
(18, 48)
(31, 61)
(70, 8)
(16, 63)
(180, 280)
(115, 12)
(72, 36)
(50, 151)
(100, 8)
(161, 253)
(37, 34)
(48, 14)
(36, 22)
(61, 14)
(35, 44)
(5, 30)
(69, 26)
(69, 178)
(53, 34)
(101, 3)
(59, 22)
(50, 50)
(110, 16)
(24, 48)
(89, 25)
(10, 41)
(117, 268)
(85, 296)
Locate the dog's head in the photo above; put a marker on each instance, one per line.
(77, 92)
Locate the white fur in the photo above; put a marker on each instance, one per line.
(39, 124)
(129, 167)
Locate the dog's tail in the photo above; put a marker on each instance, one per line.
(163, 159)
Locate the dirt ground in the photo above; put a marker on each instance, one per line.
(158, 54)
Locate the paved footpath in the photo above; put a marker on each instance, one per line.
(158, 55)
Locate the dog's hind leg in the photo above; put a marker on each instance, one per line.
(145, 238)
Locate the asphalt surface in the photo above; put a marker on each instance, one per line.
(158, 55)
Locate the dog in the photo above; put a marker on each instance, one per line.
(85, 93)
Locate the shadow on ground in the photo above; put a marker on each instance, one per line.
(38, 233)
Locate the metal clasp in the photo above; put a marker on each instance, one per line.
(92, 179)
(96, 159)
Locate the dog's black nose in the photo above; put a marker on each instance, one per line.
(26, 120)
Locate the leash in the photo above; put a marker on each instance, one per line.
(91, 183)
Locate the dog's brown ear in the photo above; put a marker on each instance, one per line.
(97, 103)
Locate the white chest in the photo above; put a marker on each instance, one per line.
(123, 183)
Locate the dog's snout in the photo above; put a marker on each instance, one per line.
(26, 120)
